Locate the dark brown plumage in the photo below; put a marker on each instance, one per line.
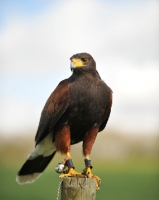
(76, 111)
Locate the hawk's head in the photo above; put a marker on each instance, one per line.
(82, 61)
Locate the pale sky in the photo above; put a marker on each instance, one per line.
(37, 38)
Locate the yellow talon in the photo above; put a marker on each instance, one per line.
(68, 154)
(72, 173)
(90, 175)
(88, 172)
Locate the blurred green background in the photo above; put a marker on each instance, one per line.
(129, 168)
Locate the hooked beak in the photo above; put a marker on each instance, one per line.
(76, 63)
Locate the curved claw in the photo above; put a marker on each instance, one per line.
(72, 173)
(98, 182)
(89, 174)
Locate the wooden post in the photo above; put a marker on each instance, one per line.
(78, 189)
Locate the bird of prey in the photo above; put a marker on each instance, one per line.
(76, 111)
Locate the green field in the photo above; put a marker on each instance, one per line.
(118, 183)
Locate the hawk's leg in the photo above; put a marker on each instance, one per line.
(70, 168)
(88, 173)
(63, 145)
(87, 147)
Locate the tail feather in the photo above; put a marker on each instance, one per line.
(32, 169)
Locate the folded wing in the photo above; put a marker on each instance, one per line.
(54, 108)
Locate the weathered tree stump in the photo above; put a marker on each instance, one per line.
(78, 189)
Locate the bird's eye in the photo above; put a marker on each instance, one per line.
(84, 59)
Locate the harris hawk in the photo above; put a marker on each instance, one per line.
(76, 111)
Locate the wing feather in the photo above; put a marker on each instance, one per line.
(54, 108)
(107, 111)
